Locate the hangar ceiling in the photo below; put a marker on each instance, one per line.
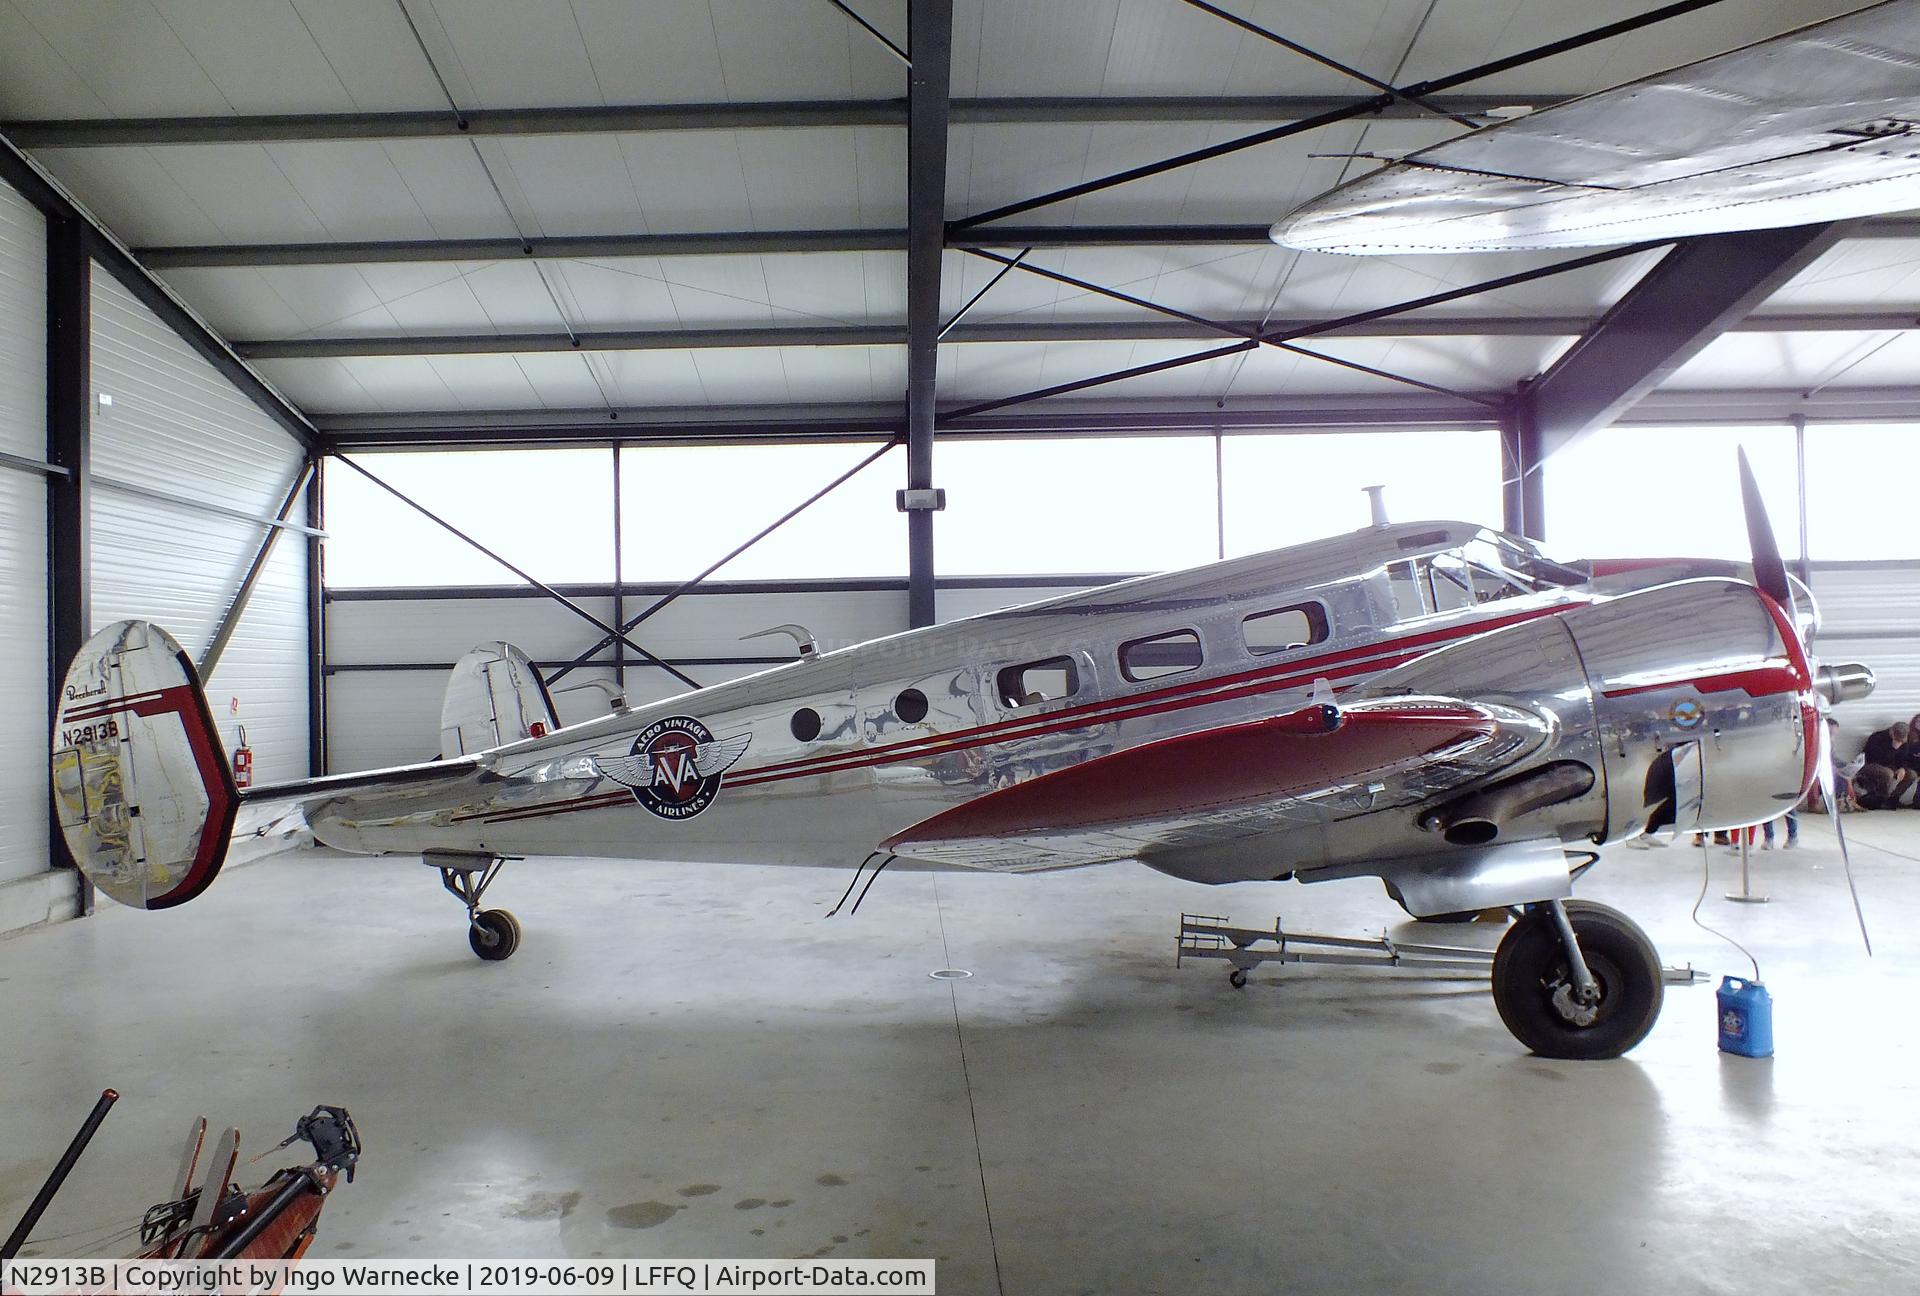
(532, 218)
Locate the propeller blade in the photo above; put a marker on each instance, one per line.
(1827, 792)
(1769, 572)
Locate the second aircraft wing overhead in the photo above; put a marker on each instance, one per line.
(1814, 125)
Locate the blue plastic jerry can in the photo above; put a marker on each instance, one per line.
(1746, 1018)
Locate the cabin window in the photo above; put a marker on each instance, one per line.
(1284, 629)
(1036, 682)
(1160, 656)
(805, 724)
(911, 706)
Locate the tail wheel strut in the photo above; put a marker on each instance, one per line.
(493, 934)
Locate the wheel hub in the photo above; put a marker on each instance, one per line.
(1567, 1002)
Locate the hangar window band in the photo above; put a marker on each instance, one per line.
(1035, 682)
(1159, 656)
(1284, 629)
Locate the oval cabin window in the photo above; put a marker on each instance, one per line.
(1160, 656)
(805, 724)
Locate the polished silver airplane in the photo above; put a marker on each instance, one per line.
(1434, 704)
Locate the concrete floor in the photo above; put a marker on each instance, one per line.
(692, 1061)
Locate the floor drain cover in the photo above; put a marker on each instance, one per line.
(949, 974)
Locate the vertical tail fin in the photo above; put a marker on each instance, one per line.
(144, 796)
(494, 697)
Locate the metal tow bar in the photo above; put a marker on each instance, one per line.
(1209, 936)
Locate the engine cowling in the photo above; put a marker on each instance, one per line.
(1705, 704)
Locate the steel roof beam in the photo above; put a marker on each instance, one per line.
(875, 422)
(146, 132)
(1695, 293)
(759, 242)
(853, 335)
(723, 243)
(570, 248)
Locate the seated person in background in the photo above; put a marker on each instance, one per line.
(1889, 777)
(1844, 772)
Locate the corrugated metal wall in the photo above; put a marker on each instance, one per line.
(1870, 612)
(176, 425)
(23, 540)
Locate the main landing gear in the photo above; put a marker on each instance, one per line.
(1574, 979)
(494, 934)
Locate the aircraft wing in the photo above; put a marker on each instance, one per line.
(1313, 766)
(1814, 125)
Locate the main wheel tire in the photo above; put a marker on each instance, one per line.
(1530, 968)
(494, 934)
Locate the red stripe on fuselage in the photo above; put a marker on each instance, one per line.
(1367, 659)
(1759, 681)
(1008, 729)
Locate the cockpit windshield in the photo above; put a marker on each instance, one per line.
(1524, 560)
(1491, 566)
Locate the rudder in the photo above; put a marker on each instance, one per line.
(143, 794)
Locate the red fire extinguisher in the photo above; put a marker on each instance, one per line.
(243, 761)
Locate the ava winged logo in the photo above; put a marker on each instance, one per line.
(676, 765)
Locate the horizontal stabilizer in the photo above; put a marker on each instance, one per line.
(143, 793)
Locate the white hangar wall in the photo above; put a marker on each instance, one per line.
(185, 469)
(27, 890)
(1870, 612)
(171, 436)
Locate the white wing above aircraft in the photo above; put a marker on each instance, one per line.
(1818, 124)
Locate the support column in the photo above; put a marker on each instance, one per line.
(316, 624)
(1523, 492)
(619, 583)
(931, 35)
(69, 426)
(1800, 475)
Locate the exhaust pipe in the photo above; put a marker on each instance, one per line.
(1477, 818)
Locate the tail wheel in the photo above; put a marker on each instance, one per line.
(494, 934)
(1533, 984)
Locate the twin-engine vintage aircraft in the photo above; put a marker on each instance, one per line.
(1433, 704)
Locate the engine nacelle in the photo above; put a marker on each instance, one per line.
(1704, 702)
